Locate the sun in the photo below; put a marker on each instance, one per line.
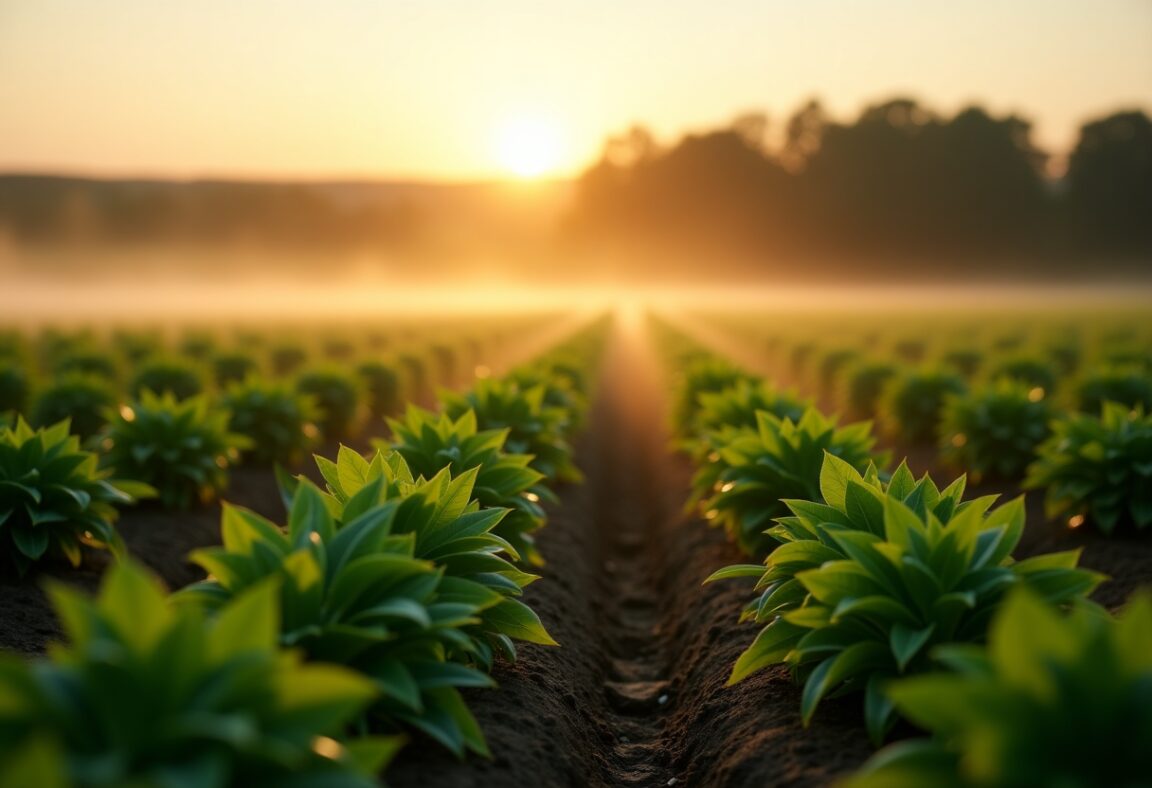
(529, 147)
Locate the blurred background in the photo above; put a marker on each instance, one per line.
(451, 144)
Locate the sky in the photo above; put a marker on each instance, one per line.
(455, 90)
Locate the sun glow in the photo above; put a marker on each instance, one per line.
(529, 146)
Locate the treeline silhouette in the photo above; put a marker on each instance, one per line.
(901, 187)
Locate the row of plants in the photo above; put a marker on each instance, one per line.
(315, 647)
(984, 393)
(893, 589)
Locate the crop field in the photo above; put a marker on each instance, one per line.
(651, 548)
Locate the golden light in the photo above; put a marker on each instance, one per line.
(529, 146)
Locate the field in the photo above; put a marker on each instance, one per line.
(664, 546)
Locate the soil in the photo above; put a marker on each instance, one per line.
(635, 695)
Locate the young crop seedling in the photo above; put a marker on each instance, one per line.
(736, 408)
(911, 404)
(994, 431)
(87, 362)
(533, 428)
(1052, 700)
(863, 386)
(337, 396)
(867, 584)
(84, 400)
(279, 422)
(13, 387)
(179, 377)
(53, 498)
(1129, 385)
(354, 593)
(1098, 468)
(430, 443)
(700, 376)
(1032, 372)
(151, 693)
(755, 470)
(381, 383)
(181, 448)
(233, 367)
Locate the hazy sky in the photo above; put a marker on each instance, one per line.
(450, 89)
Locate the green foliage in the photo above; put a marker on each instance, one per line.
(53, 498)
(704, 375)
(182, 378)
(354, 593)
(832, 363)
(181, 448)
(1052, 701)
(867, 584)
(736, 407)
(450, 529)
(151, 694)
(287, 358)
(965, 360)
(278, 421)
(754, 470)
(13, 387)
(381, 383)
(233, 367)
(83, 399)
(1032, 372)
(564, 387)
(911, 405)
(1098, 467)
(863, 386)
(337, 396)
(994, 431)
(429, 443)
(533, 427)
(86, 361)
(1129, 385)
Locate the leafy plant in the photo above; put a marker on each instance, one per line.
(381, 383)
(737, 406)
(1098, 467)
(965, 360)
(533, 427)
(83, 399)
(151, 694)
(450, 529)
(337, 396)
(706, 375)
(13, 387)
(744, 488)
(86, 361)
(911, 405)
(53, 498)
(233, 367)
(430, 443)
(182, 378)
(287, 358)
(867, 584)
(563, 390)
(994, 431)
(181, 448)
(863, 385)
(1033, 372)
(354, 593)
(1128, 385)
(1052, 701)
(278, 422)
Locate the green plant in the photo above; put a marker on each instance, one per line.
(863, 385)
(354, 593)
(832, 364)
(278, 422)
(700, 376)
(450, 529)
(965, 360)
(1053, 701)
(53, 498)
(87, 361)
(337, 396)
(911, 404)
(533, 427)
(1033, 372)
(1098, 467)
(737, 407)
(287, 358)
(83, 399)
(13, 387)
(994, 431)
(743, 489)
(181, 448)
(197, 345)
(867, 584)
(182, 378)
(1128, 385)
(381, 383)
(233, 367)
(151, 694)
(560, 383)
(430, 443)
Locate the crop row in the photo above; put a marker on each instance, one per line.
(901, 592)
(314, 647)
